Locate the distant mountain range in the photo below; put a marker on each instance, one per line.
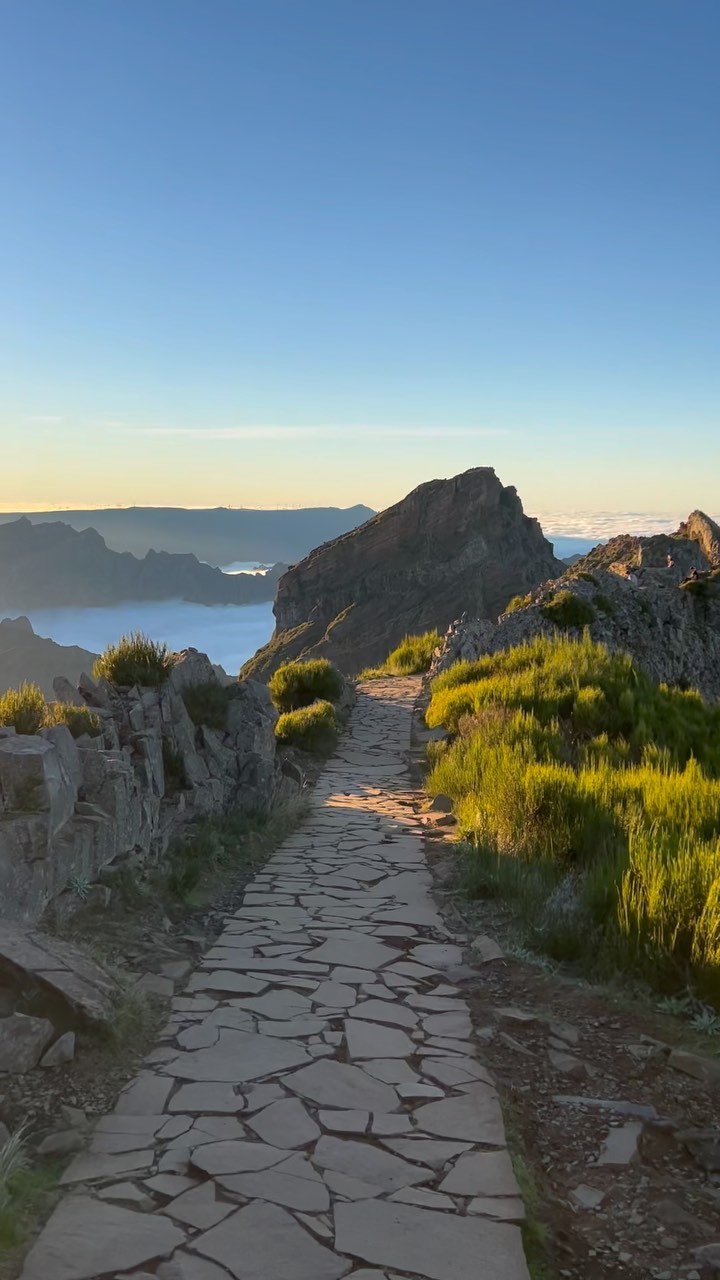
(27, 656)
(218, 536)
(45, 566)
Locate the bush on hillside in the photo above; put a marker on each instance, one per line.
(207, 703)
(134, 660)
(411, 657)
(23, 708)
(602, 789)
(518, 602)
(298, 684)
(79, 720)
(313, 728)
(567, 610)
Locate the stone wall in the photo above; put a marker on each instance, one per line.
(70, 807)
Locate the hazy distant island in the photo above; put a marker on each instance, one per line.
(218, 536)
(46, 566)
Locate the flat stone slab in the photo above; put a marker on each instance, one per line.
(387, 1011)
(438, 1246)
(265, 1242)
(370, 1164)
(360, 952)
(372, 1040)
(482, 1173)
(474, 1116)
(86, 1238)
(285, 1124)
(284, 1184)
(235, 1156)
(337, 1084)
(238, 1056)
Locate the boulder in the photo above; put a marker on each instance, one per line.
(190, 667)
(22, 1040)
(28, 957)
(34, 779)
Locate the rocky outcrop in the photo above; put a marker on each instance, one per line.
(45, 566)
(632, 600)
(27, 656)
(70, 807)
(451, 545)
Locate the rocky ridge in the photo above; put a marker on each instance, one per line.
(449, 546)
(52, 565)
(664, 616)
(70, 807)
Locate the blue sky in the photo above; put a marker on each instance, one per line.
(305, 251)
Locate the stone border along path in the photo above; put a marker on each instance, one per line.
(315, 1109)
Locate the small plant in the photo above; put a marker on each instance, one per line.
(412, 657)
(518, 602)
(312, 728)
(134, 660)
(79, 720)
(173, 768)
(298, 684)
(567, 610)
(23, 708)
(207, 703)
(80, 886)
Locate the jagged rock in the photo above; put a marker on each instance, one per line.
(450, 546)
(64, 1143)
(62, 1051)
(668, 623)
(34, 779)
(22, 1040)
(58, 967)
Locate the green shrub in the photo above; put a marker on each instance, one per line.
(604, 604)
(601, 788)
(134, 660)
(312, 728)
(567, 610)
(518, 602)
(298, 684)
(412, 656)
(207, 703)
(79, 720)
(23, 708)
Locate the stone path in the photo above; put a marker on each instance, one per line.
(315, 1108)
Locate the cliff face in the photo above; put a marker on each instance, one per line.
(450, 546)
(52, 565)
(665, 617)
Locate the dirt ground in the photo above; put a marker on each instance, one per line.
(546, 1035)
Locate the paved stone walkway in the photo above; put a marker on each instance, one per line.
(315, 1108)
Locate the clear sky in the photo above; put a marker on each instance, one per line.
(260, 252)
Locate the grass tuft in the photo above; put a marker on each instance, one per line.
(134, 660)
(566, 610)
(79, 720)
(411, 657)
(207, 703)
(313, 728)
(298, 684)
(23, 709)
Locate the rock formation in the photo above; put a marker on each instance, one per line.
(634, 601)
(27, 656)
(45, 566)
(69, 807)
(450, 546)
